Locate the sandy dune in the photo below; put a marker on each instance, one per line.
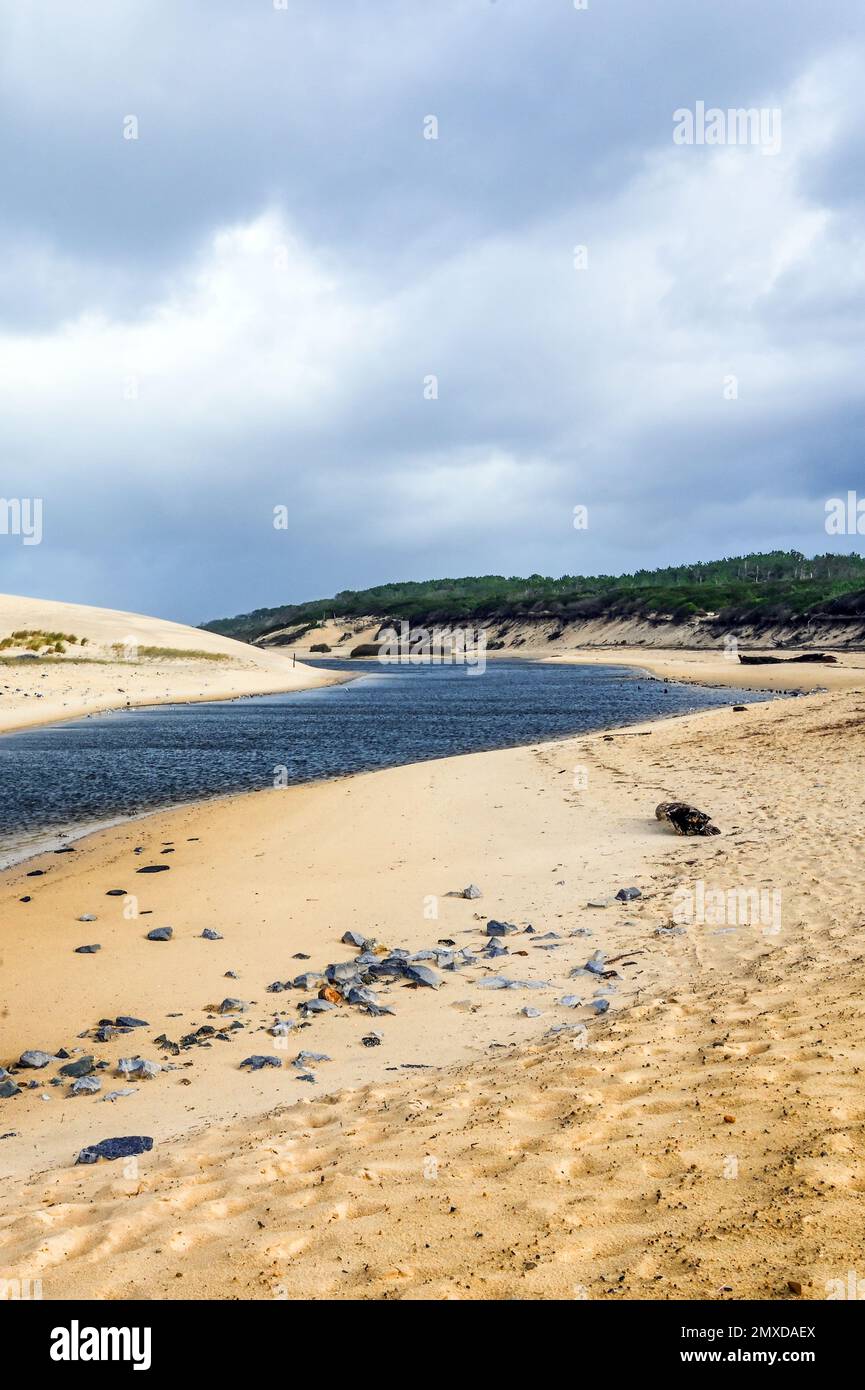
(94, 677)
(706, 1142)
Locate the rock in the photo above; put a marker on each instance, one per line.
(600, 1006)
(85, 1086)
(257, 1062)
(86, 917)
(311, 980)
(210, 935)
(153, 869)
(116, 893)
(83, 1067)
(160, 934)
(8, 1089)
(35, 1059)
(794, 1286)
(119, 1095)
(315, 1006)
(626, 895)
(231, 1006)
(356, 938)
(372, 1039)
(127, 1021)
(280, 1029)
(494, 928)
(494, 948)
(472, 891)
(88, 950)
(529, 1012)
(599, 902)
(571, 1001)
(422, 975)
(304, 1059)
(127, 1147)
(138, 1066)
(685, 819)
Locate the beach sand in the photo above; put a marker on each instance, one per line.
(701, 1139)
(92, 678)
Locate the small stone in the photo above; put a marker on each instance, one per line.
(153, 869)
(88, 950)
(160, 934)
(529, 1012)
(210, 935)
(83, 1067)
(494, 928)
(85, 1086)
(600, 1006)
(35, 1059)
(793, 1284)
(87, 917)
(257, 1062)
(626, 895)
(729, 1119)
(472, 891)
(372, 1039)
(127, 1021)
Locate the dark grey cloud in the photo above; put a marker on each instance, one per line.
(238, 310)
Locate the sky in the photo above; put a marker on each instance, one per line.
(414, 281)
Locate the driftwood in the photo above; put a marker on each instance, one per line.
(822, 657)
(685, 819)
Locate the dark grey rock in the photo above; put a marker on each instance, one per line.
(127, 1147)
(83, 1067)
(257, 1062)
(210, 935)
(35, 1059)
(88, 950)
(494, 928)
(160, 934)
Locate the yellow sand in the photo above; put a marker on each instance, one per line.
(707, 1142)
(714, 668)
(92, 678)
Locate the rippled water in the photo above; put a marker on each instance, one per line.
(95, 770)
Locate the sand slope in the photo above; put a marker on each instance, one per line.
(706, 1143)
(92, 677)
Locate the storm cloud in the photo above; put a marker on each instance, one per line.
(281, 293)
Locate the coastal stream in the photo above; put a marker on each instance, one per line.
(72, 776)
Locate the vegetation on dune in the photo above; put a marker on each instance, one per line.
(41, 642)
(762, 589)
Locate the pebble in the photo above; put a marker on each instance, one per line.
(36, 1059)
(529, 1012)
(210, 935)
(160, 934)
(154, 869)
(86, 917)
(88, 950)
(472, 891)
(494, 928)
(626, 895)
(257, 1062)
(85, 1086)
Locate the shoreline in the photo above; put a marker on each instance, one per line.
(68, 832)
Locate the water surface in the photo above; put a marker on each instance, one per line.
(85, 772)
